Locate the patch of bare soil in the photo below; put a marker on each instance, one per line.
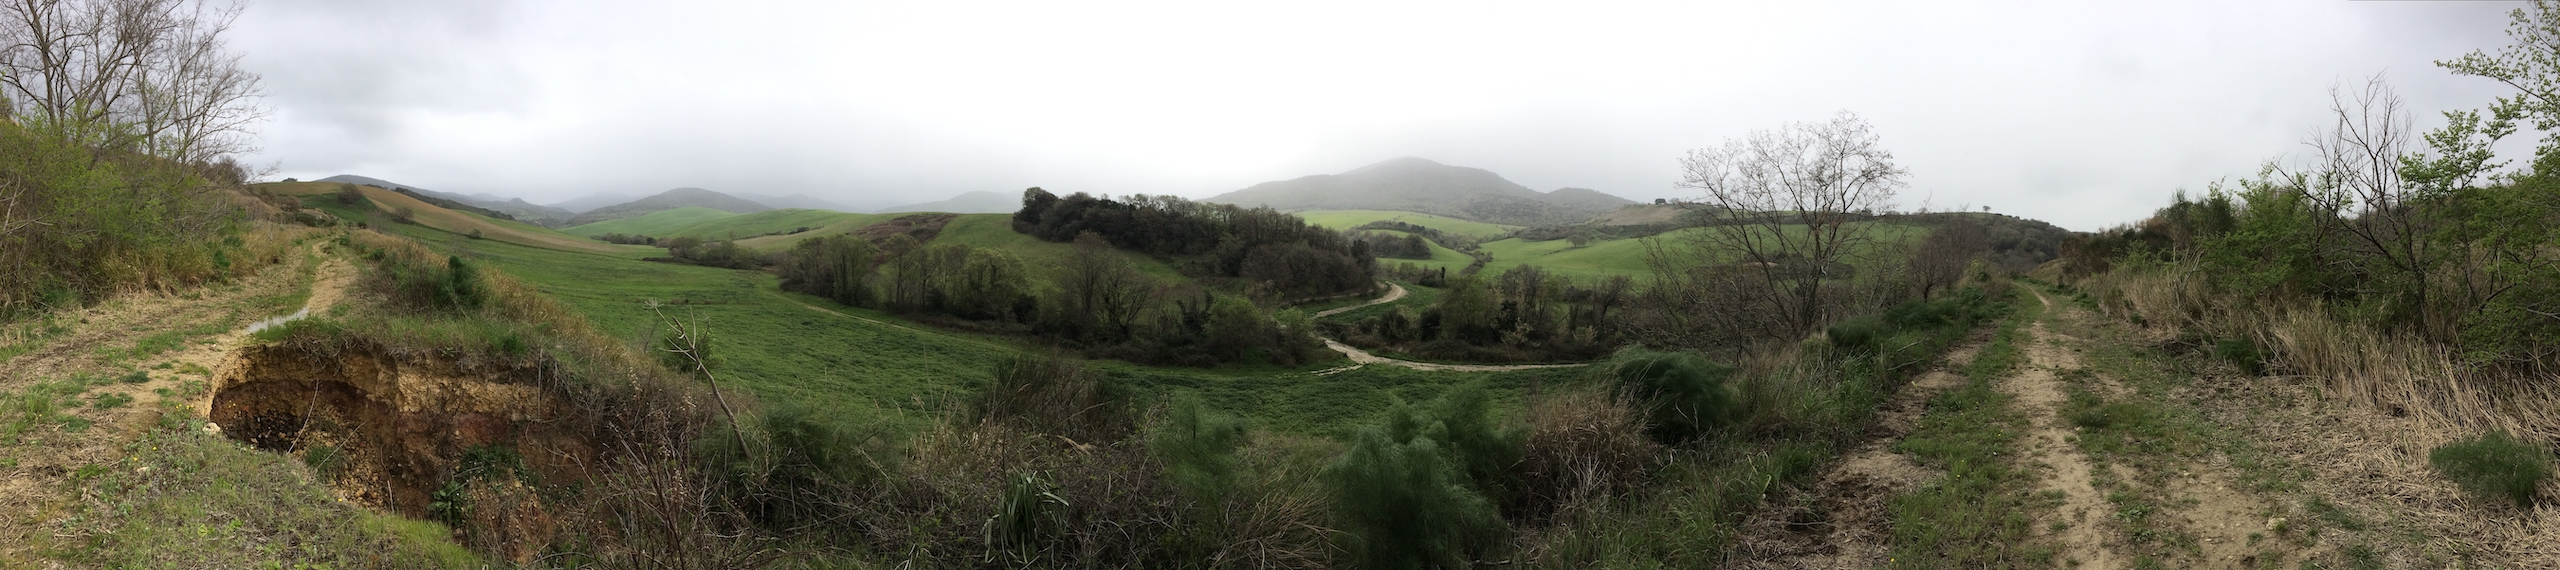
(2084, 514)
(1845, 519)
(36, 467)
(2200, 500)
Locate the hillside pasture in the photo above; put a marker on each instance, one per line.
(658, 223)
(1347, 219)
(1605, 258)
(449, 221)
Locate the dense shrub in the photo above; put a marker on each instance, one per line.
(1403, 504)
(419, 283)
(1199, 448)
(77, 224)
(1685, 396)
(2495, 465)
(1582, 447)
(2242, 353)
(1052, 394)
(1412, 491)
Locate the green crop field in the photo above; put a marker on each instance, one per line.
(658, 223)
(1347, 219)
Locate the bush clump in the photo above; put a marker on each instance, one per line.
(1685, 396)
(2242, 353)
(2495, 464)
(1052, 394)
(1411, 492)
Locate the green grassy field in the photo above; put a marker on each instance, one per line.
(1441, 257)
(788, 347)
(995, 231)
(658, 223)
(1347, 219)
(1601, 259)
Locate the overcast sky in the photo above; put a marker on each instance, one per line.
(2084, 114)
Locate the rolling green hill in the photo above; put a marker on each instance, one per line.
(1601, 259)
(656, 223)
(1347, 219)
(1417, 185)
(770, 222)
(792, 348)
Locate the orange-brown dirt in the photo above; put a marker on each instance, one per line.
(400, 425)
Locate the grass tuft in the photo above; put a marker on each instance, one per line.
(2495, 464)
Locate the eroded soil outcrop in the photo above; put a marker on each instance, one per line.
(392, 432)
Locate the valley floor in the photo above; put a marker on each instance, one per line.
(2097, 449)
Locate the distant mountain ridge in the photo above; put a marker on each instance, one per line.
(975, 202)
(801, 201)
(590, 202)
(669, 200)
(515, 208)
(1417, 185)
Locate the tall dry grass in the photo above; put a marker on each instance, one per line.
(2394, 373)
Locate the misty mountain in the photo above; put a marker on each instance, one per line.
(979, 202)
(514, 208)
(669, 200)
(590, 202)
(803, 201)
(1416, 185)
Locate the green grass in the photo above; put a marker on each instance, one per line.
(1598, 260)
(658, 223)
(1980, 514)
(1605, 258)
(1347, 219)
(862, 361)
(699, 222)
(995, 231)
(181, 498)
(1441, 258)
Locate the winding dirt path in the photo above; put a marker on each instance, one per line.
(1394, 292)
(2038, 394)
(1363, 358)
(36, 467)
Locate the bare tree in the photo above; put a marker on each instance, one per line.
(1941, 258)
(1782, 202)
(149, 76)
(2373, 219)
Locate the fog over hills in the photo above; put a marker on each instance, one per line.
(669, 200)
(978, 202)
(1418, 185)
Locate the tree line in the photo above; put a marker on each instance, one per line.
(1276, 254)
(1097, 299)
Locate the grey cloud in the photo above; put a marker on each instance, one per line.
(2084, 115)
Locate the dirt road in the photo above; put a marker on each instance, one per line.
(1363, 358)
(2121, 480)
(174, 342)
